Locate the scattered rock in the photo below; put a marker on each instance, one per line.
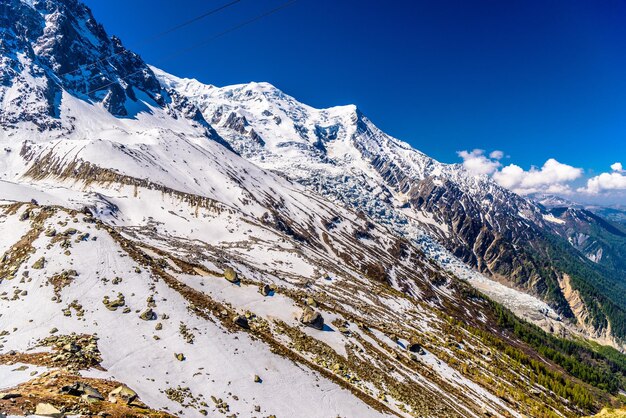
(112, 305)
(48, 410)
(312, 318)
(231, 275)
(148, 315)
(74, 352)
(84, 391)
(39, 264)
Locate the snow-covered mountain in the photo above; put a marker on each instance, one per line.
(148, 269)
(448, 212)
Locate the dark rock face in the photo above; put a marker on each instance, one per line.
(241, 321)
(57, 46)
(60, 40)
(88, 62)
(236, 123)
(488, 227)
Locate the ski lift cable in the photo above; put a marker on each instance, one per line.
(157, 36)
(201, 44)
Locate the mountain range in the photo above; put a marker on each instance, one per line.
(171, 248)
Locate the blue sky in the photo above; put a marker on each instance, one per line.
(534, 79)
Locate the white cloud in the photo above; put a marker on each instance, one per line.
(604, 182)
(552, 177)
(496, 155)
(477, 163)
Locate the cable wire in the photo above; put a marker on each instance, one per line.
(157, 36)
(203, 43)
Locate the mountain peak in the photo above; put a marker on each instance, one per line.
(53, 46)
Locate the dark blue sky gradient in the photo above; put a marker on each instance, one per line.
(536, 79)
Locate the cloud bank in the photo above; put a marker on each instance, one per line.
(552, 177)
(606, 182)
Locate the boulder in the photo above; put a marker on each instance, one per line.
(39, 264)
(122, 395)
(265, 290)
(7, 395)
(180, 356)
(148, 315)
(415, 347)
(231, 275)
(241, 321)
(84, 391)
(25, 216)
(312, 318)
(48, 410)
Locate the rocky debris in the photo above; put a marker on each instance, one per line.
(48, 410)
(148, 315)
(80, 312)
(312, 318)
(61, 280)
(112, 305)
(221, 405)
(83, 390)
(182, 395)
(343, 328)
(83, 237)
(39, 264)
(74, 352)
(184, 330)
(231, 275)
(241, 321)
